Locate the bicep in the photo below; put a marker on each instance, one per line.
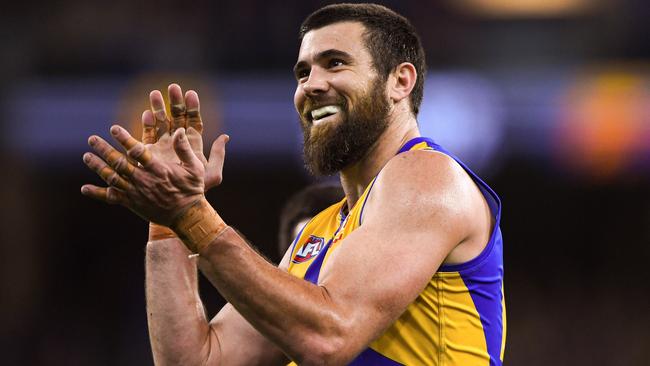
(375, 274)
(409, 228)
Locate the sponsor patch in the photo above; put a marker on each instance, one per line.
(309, 249)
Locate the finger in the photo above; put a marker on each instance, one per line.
(177, 107)
(109, 175)
(184, 150)
(218, 149)
(113, 157)
(148, 128)
(158, 110)
(214, 169)
(196, 141)
(109, 195)
(135, 149)
(193, 111)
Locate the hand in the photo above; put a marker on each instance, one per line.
(156, 189)
(185, 112)
(163, 182)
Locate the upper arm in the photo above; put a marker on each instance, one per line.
(417, 212)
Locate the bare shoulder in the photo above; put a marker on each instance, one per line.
(423, 166)
(421, 180)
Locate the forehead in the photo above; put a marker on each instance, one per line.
(342, 36)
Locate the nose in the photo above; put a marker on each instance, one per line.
(316, 83)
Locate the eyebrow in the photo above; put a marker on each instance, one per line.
(330, 53)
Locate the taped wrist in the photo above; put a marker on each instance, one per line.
(159, 232)
(198, 226)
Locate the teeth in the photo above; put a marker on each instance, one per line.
(322, 111)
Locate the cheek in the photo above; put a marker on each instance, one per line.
(298, 99)
(349, 88)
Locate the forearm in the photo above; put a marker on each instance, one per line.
(298, 316)
(178, 328)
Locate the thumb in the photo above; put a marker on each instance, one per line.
(218, 149)
(214, 173)
(183, 149)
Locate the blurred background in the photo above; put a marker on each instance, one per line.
(548, 100)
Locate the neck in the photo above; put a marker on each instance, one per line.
(356, 177)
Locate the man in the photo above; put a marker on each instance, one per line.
(406, 269)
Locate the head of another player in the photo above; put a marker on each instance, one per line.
(302, 207)
(359, 65)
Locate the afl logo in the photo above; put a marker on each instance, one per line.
(309, 250)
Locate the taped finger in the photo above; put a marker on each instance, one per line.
(193, 111)
(113, 157)
(108, 195)
(161, 122)
(177, 107)
(140, 153)
(110, 176)
(98, 193)
(134, 148)
(120, 163)
(148, 128)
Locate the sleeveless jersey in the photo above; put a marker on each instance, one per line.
(459, 319)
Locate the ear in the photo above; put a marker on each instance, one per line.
(402, 81)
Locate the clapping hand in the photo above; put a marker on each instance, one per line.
(167, 172)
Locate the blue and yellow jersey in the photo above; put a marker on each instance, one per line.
(458, 320)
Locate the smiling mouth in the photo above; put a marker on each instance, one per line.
(319, 114)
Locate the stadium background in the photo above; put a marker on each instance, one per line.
(549, 100)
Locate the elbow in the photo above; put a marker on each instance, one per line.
(332, 346)
(324, 353)
(332, 340)
(183, 351)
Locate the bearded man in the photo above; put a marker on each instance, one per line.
(406, 269)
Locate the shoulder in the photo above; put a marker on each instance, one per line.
(419, 187)
(422, 164)
(423, 174)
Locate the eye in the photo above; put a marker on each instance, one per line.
(302, 73)
(336, 62)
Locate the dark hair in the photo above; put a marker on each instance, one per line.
(306, 204)
(390, 38)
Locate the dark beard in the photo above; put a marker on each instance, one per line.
(329, 149)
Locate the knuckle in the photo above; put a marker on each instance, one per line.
(102, 148)
(111, 157)
(113, 179)
(121, 163)
(105, 173)
(129, 142)
(148, 131)
(136, 151)
(92, 162)
(160, 115)
(111, 196)
(194, 114)
(178, 109)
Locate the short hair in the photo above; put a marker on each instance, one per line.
(390, 38)
(305, 204)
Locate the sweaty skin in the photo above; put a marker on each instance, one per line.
(441, 214)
